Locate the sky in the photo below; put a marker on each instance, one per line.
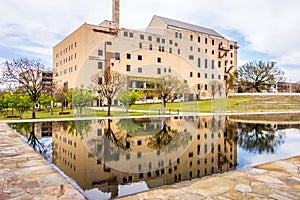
(265, 30)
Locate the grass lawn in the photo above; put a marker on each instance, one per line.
(204, 106)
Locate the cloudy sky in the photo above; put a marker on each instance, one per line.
(264, 29)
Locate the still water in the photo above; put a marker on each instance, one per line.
(109, 158)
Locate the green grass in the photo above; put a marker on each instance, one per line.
(206, 106)
(246, 103)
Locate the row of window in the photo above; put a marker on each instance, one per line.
(71, 46)
(66, 60)
(67, 70)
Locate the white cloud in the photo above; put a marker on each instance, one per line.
(267, 26)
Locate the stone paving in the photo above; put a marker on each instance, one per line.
(25, 175)
(275, 180)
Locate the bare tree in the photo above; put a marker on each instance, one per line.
(107, 84)
(197, 89)
(215, 86)
(28, 74)
(168, 87)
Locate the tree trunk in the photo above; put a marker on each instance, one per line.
(62, 106)
(164, 105)
(108, 106)
(33, 110)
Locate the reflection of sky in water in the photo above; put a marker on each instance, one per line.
(288, 149)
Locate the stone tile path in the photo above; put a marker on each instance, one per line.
(25, 175)
(276, 180)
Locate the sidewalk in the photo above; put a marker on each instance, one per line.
(276, 180)
(25, 175)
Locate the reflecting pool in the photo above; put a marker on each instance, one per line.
(108, 158)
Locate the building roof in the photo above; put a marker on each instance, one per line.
(187, 26)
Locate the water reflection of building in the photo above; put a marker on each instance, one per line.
(193, 147)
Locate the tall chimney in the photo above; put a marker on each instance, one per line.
(116, 12)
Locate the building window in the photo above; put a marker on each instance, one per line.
(180, 35)
(212, 64)
(75, 44)
(170, 42)
(212, 42)
(128, 68)
(231, 55)
(128, 56)
(75, 68)
(158, 40)
(117, 56)
(170, 50)
(205, 40)
(219, 77)
(178, 51)
(100, 65)
(140, 45)
(205, 75)
(142, 37)
(231, 46)
(205, 50)
(212, 76)
(158, 71)
(199, 49)
(150, 47)
(159, 60)
(109, 43)
(205, 86)
(150, 38)
(140, 57)
(176, 34)
(199, 62)
(212, 52)
(163, 41)
(140, 70)
(205, 63)
(219, 64)
(131, 35)
(191, 48)
(176, 44)
(170, 70)
(191, 57)
(191, 74)
(125, 34)
(199, 39)
(191, 37)
(199, 75)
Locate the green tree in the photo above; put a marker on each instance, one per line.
(128, 98)
(81, 98)
(168, 87)
(27, 74)
(259, 75)
(231, 82)
(22, 103)
(45, 101)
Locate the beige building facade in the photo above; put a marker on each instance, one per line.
(194, 54)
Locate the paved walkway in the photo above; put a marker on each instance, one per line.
(25, 175)
(276, 180)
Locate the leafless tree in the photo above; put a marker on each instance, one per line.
(215, 86)
(28, 74)
(197, 89)
(168, 87)
(107, 84)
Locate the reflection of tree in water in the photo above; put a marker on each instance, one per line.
(259, 138)
(131, 126)
(118, 141)
(28, 130)
(167, 135)
(79, 128)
